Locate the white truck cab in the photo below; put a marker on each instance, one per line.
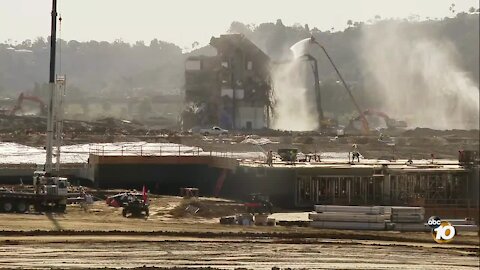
(51, 185)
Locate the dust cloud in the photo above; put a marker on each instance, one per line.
(414, 76)
(294, 98)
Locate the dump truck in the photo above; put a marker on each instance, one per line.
(49, 195)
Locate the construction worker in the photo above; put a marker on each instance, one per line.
(83, 204)
(355, 153)
(270, 158)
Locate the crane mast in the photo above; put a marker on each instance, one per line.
(53, 41)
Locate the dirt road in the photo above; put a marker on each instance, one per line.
(97, 252)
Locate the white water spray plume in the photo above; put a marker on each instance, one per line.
(295, 107)
(415, 77)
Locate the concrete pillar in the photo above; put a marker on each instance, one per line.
(386, 196)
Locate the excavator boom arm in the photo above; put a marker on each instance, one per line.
(22, 97)
(364, 120)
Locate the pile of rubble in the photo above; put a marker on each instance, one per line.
(206, 208)
(35, 124)
(31, 130)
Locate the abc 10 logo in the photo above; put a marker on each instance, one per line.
(442, 231)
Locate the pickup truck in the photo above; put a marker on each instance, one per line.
(213, 131)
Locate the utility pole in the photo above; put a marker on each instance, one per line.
(53, 43)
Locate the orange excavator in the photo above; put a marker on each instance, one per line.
(22, 97)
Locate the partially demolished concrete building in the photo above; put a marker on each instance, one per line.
(231, 89)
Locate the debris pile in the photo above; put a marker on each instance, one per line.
(248, 219)
(256, 140)
(32, 125)
(206, 208)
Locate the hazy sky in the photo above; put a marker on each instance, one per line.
(185, 21)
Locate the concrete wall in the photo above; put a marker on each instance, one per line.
(292, 187)
(474, 185)
(168, 178)
(162, 179)
(277, 183)
(254, 115)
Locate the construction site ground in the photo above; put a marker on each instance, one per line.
(414, 143)
(100, 237)
(174, 236)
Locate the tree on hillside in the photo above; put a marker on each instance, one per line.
(239, 28)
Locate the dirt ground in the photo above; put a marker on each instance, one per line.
(100, 237)
(418, 143)
(414, 144)
(94, 252)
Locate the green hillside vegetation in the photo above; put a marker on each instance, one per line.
(121, 70)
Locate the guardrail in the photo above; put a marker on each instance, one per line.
(179, 150)
(33, 167)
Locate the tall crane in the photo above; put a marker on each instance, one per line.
(363, 118)
(307, 56)
(51, 192)
(51, 81)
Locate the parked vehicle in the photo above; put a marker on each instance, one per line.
(213, 131)
(120, 199)
(136, 206)
(258, 204)
(50, 195)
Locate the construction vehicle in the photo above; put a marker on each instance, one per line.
(389, 122)
(50, 195)
(50, 192)
(136, 206)
(19, 104)
(289, 155)
(120, 199)
(213, 131)
(325, 123)
(258, 204)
